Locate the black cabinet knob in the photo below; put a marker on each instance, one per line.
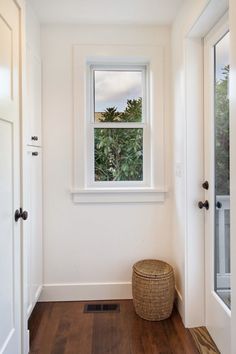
(219, 205)
(19, 213)
(35, 153)
(203, 205)
(34, 137)
(205, 185)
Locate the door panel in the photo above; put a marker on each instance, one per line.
(5, 60)
(36, 224)
(6, 232)
(33, 98)
(10, 263)
(33, 229)
(216, 119)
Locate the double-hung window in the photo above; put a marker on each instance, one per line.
(119, 108)
(118, 125)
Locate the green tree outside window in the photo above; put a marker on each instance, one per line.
(222, 133)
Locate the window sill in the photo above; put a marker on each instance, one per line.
(118, 195)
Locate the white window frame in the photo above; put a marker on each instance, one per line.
(153, 188)
(91, 125)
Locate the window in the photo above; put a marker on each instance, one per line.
(118, 125)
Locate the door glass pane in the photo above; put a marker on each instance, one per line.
(222, 172)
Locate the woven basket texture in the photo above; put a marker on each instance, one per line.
(153, 288)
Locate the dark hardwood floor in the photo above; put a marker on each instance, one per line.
(63, 328)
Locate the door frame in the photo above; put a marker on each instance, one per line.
(232, 26)
(25, 335)
(194, 304)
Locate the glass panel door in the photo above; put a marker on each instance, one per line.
(222, 172)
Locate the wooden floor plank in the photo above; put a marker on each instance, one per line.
(81, 330)
(179, 339)
(203, 340)
(63, 328)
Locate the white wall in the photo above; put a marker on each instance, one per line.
(89, 249)
(32, 29)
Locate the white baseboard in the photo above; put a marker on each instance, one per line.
(179, 303)
(86, 291)
(28, 341)
(38, 293)
(26, 349)
(36, 299)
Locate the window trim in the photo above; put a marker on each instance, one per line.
(91, 124)
(156, 191)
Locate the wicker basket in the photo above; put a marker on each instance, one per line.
(153, 289)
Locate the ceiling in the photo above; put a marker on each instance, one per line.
(140, 12)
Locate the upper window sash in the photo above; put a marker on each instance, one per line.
(143, 68)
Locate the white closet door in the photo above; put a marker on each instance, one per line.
(10, 235)
(33, 230)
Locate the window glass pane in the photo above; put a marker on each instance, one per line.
(222, 172)
(118, 154)
(118, 96)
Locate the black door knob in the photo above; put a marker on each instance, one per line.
(24, 215)
(19, 213)
(203, 205)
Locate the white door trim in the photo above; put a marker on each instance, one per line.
(24, 253)
(194, 296)
(22, 92)
(232, 90)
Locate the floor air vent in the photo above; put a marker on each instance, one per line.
(102, 308)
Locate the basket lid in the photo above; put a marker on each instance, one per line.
(152, 268)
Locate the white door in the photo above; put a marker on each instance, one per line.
(217, 194)
(10, 242)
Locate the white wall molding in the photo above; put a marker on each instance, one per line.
(137, 195)
(86, 291)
